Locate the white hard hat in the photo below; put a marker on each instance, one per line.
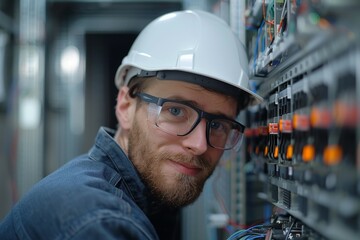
(195, 43)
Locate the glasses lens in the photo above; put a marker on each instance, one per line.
(176, 118)
(224, 134)
(180, 119)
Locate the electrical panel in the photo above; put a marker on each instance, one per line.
(304, 138)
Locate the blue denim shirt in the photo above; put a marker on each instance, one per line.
(95, 196)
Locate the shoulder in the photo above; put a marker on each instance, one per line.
(78, 202)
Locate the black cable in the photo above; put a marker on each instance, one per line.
(288, 233)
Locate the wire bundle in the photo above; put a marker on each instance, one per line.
(254, 232)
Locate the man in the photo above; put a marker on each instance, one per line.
(180, 89)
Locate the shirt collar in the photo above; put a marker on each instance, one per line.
(107, 150)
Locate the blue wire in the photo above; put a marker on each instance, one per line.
(256, 237)
(242, 231)
(229, 228)
(257, 43)
(235, 234)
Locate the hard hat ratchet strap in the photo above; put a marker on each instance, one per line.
(201, 80)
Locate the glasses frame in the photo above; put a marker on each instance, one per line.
(209, 117)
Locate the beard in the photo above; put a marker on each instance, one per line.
(169, 189)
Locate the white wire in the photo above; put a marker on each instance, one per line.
(283, 10)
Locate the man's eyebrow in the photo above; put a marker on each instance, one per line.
(195, 104)
(186, 101)
(183, 100)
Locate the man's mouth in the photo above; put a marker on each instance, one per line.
(185, 168)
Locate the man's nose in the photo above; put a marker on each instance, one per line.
(196, 140)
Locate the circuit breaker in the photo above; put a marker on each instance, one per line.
(304, 139)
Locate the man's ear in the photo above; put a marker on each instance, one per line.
(125, 108)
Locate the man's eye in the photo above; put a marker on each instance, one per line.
(176, 111)
(216, 125)
(220, 126)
